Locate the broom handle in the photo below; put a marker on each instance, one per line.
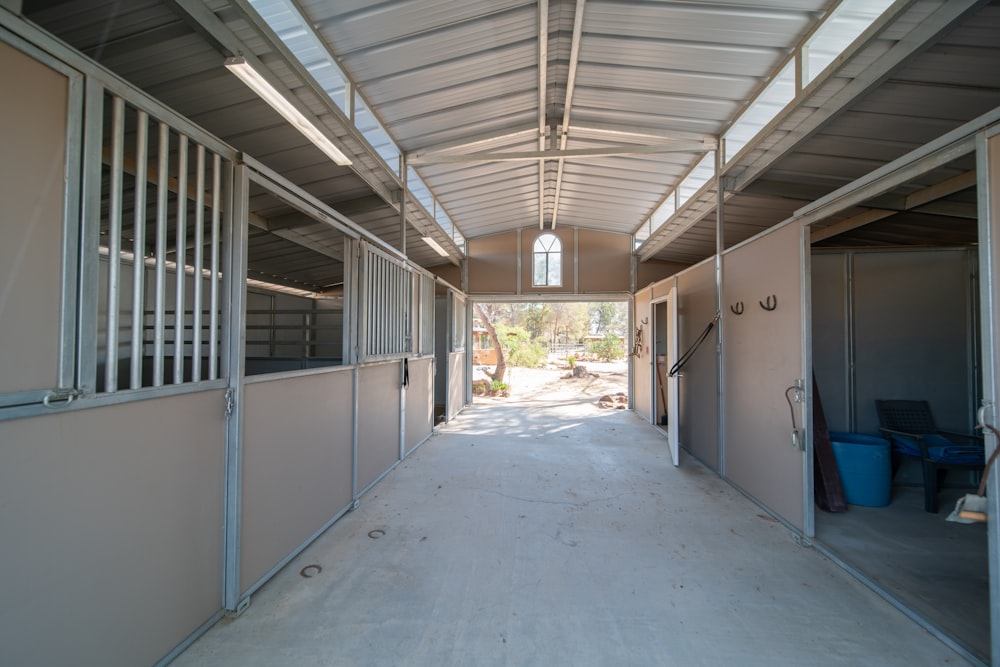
(989, 462)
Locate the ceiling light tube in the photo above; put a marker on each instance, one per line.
(252, 78)
(434, 244)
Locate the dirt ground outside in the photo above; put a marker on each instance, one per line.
(555, 382)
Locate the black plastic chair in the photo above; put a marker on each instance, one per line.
(910, 428)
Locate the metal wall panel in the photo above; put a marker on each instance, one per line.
(297, 465)
(378, 421)
(699, 400)
(493, 264)
(605, 261)
(33, 124)
(112, 530)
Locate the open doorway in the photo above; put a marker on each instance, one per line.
(895, 316)
(527, 352)
(665, 390)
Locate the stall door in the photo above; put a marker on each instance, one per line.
(764, 363)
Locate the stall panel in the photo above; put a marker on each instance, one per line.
(297, 465)
(913, 334)
(699, 403)
(456, 383)
(111, 520)
(419, 402)
(33, 122)
(378, 421)
(831, 337)
(641, 372)
(763, 358)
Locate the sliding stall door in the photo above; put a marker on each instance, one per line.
(764, 356)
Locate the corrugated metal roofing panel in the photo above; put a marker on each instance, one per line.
(441, 74)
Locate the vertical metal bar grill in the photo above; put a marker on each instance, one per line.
(181, 222)
(388, 301)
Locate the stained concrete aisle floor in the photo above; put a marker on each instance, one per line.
(561, 535)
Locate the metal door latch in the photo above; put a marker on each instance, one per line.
(60, 398)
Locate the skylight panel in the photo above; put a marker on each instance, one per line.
(702, 173)
(376, 135)
(761, 111)
(843, 26)
(292, 29)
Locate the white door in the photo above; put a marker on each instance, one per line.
(673, 382)
(665, 395)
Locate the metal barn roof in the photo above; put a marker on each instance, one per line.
(584, 113)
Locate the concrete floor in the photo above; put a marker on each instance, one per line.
(937, 568)
(561, 535)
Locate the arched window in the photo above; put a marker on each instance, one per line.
(547, 261)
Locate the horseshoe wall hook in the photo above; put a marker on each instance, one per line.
(772, 303)
(737, 308)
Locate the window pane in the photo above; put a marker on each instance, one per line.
(539, 272)
(555, 270)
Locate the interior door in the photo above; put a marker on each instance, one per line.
(673, 382)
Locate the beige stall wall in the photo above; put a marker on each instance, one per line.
(641, 371)
(297, 464)
(111, 525)
(32, 128)
(493, 264)
(378, 420)
(419, 402)
(763, 356)
(655, 270)
(605, 262)
(699, 403)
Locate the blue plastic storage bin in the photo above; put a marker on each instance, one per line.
(865, 466)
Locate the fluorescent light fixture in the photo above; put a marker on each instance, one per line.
(434, 244)
(258, 84)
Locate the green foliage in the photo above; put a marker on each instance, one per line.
(519, 349)
(610, 348)
(571, 360)
(498, 387)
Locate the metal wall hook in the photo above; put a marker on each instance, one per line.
(772, 303)
(737, 308)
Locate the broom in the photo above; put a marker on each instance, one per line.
(972, 507)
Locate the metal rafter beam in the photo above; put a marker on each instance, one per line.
(543, 64)
(574, 62)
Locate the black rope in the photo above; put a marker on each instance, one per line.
(686, 357)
